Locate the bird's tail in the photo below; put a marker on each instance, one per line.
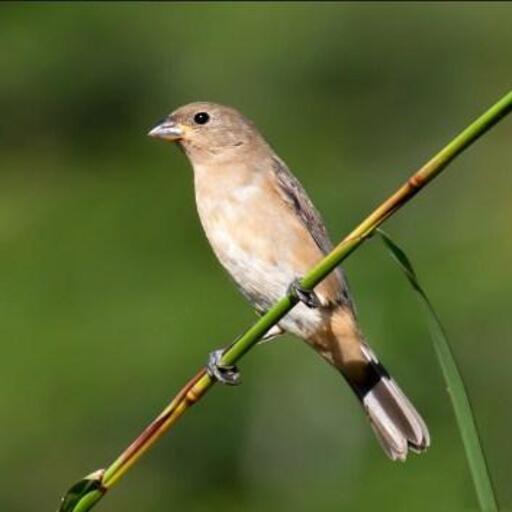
(395, 421)
(397, 424)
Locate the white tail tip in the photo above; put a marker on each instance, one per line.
(395, 421)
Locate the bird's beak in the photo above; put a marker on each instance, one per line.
(167, 130)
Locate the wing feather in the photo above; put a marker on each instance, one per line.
(294, 194)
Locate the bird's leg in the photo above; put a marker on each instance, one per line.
(308, 297)
(226, 374)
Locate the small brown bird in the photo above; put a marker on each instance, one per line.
(267, 233)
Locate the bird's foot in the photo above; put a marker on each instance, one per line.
(307, 297)
(226, 374)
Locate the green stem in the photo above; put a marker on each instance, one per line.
(195, 389)
(406, 192)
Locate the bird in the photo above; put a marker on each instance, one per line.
(267, 233)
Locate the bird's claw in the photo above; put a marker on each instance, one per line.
(226, 374)
(307, 297)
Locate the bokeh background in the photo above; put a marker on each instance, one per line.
(111, 298)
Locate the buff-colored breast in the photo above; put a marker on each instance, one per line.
(257, 237)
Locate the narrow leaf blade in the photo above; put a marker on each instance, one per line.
(454, 383)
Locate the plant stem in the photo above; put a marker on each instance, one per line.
(202, 382)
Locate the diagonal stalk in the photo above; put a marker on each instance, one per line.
(93, 488)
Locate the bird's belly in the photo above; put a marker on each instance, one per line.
(264, 282)
(252, 261)
(254, 243)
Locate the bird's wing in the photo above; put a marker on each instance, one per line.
(294, 194)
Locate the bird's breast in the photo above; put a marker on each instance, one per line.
(249, 231)
(258, 239)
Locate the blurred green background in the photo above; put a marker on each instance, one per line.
(111, 298)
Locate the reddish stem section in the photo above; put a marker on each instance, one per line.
(187, 397)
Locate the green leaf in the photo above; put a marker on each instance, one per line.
(82, 495)
(455, 386)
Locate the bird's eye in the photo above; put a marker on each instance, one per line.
(201, 118)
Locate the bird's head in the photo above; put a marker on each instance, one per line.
(208, 130)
